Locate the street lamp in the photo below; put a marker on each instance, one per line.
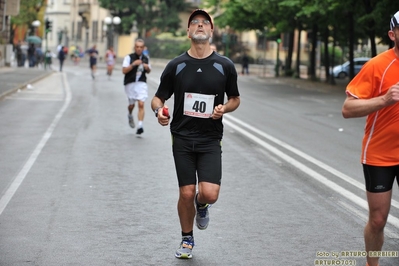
(66, 37)
(134, 27)
(35, 25)
(110, 22)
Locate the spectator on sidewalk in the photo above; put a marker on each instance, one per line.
(245, 64)
(18, 52)
(61, 57)
(48, 57)
(24, 50)
(39, 56)
(31, 55)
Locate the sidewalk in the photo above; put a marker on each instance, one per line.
(14, 78)
(308, 84)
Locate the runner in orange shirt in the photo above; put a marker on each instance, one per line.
(374, 93)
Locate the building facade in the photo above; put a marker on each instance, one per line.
(8, 8)
(76, 23)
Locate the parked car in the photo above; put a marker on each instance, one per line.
(342, 71)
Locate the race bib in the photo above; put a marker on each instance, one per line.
(198, 105)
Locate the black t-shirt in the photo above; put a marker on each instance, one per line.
(215, 75)
(93, 53)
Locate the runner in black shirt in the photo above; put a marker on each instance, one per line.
(199, 80)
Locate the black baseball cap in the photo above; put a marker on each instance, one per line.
(200, 12)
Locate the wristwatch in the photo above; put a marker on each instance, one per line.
(156, 111)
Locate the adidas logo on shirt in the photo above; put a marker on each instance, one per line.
(199, 70)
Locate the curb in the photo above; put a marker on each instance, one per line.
(23, 85)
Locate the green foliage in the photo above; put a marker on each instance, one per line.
(338, 56)
(28, 12)
(347, 21)
(167, 46)
(150, 15)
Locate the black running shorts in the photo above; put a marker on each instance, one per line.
(197, 157)
(380, 178)
(93, 62)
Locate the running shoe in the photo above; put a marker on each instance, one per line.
(202, 217)
(186, 248)
(140, 130)
(131, 121)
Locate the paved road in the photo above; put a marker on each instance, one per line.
(12, 79)
(92, 193)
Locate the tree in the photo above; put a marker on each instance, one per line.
(158, 15)
(28, 12)
(334, 22)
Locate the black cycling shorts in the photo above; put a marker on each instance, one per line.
(197, 157)
(380, 178)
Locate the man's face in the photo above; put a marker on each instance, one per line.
(138, 48)
(200, 29)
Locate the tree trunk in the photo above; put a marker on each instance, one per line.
(372, 43)
(331, 77)
(297, 73)
(312, 67)
(351, 38)
(288, 60)
(326, 53)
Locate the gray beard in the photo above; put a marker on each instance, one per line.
(199, 39)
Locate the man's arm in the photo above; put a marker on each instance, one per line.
(354, 107)
(158, 103)
(232, 104)
(129, 68)
(147, 68)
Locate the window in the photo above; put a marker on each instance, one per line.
(73, 30)
(79, 31)
(95, 31)
(104, 33)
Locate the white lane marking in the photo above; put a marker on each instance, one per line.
(325, 181)
(346, 193)
(309, 158)
(5, 199)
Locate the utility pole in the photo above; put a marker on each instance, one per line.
(278, 41)
(226, 41)
(48, 28)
